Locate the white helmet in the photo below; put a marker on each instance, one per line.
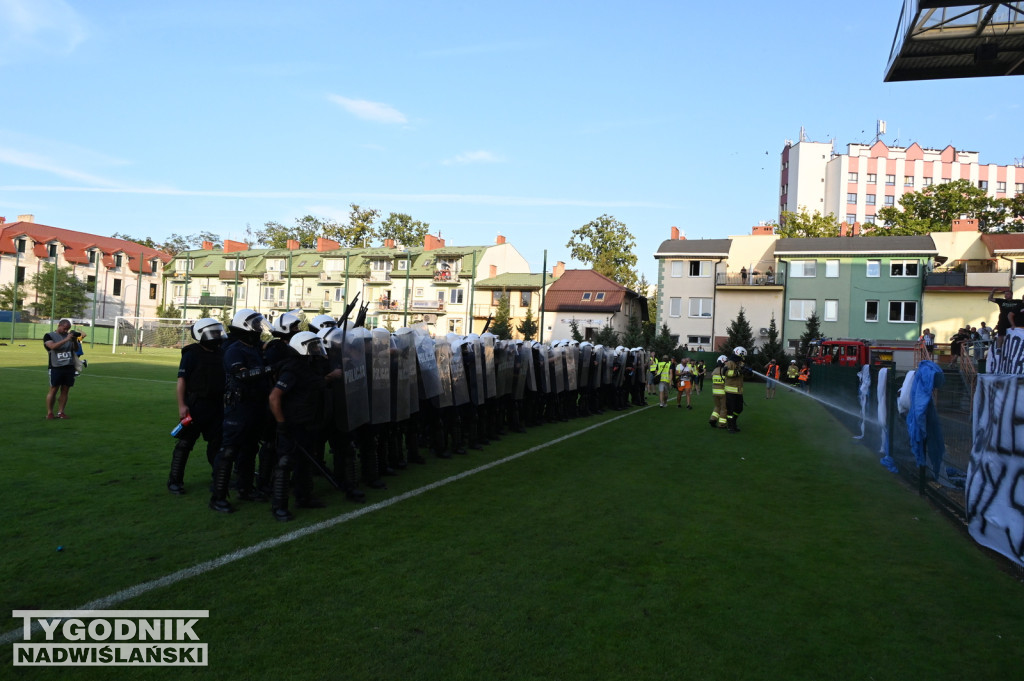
(740, 351)
(285, 324)
(308, 343)
(208, 330)
(247, 320)
(722, 359)
(322, 321)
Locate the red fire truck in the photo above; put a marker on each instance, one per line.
(855, 352)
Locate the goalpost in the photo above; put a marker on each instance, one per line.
(136, 333)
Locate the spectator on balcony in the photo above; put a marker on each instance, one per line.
(1008, 308)
(928, 338)
(743, 275)
(986, 337)
(769, 276)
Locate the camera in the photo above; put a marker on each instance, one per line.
(76, 334)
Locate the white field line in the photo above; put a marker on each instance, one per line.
(114, 599)
(88, 376)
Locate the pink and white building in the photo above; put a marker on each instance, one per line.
(855, 185)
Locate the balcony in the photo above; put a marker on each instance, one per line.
(755, 279)
(446, 277)
(272, 276)
(229, 275)
(216, 301)
(983, 273)
(379, 277)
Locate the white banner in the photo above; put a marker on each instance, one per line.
(995, 476)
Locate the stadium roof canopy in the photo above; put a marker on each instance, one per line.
(939, 39)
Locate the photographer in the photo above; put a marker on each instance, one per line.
(61, 345)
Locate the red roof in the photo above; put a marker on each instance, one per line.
(1003, 242)
(567, 293)
(77, 245)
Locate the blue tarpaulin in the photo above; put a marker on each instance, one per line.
(926, 440)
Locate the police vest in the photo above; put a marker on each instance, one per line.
(205, 381)
(303, 400)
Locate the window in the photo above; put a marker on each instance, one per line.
(700, 307)
(871, 311)
(803, 268)
(677, 268)
(675, 307)
(236, 265)
(903, 311)
(851, 218)
(21, 246)
(51, 250)
(890, 200)
(456, 297)
(831, 310)
(928, 181)
(90, 284)
(874, 268)
(92, 258)
(117, 287)
(890, 180)
(1018, 187)
(1018, 267)
(908, 181)
(241, 292)
(154, 265)
(869, 199)
(20, 276)
(339, 295)
(276, 265)
(872, 178)
(851, 197)
(117, 260)
(698, 340)
(801, 310)
(152, 291)
(1001, 187)
(381, 265)
(268, 293)
(403, 265)
(440, 296)
(903, 268)
(525, 297)
(832, 268)
(983, 184)
(418, 292)
(869, 219)
(586, 296)
(852, 177)
(700, 268)
(599, 295)
(496, 297)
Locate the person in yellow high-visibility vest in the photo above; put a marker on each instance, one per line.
(718, 414)
(664, 380)
(734, 371)
(652, 375)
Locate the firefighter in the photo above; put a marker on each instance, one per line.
(734, 371)
(718, 414)
(792, 373)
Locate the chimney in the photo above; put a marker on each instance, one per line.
(493, 272)
(558, 270)
(28, 217)
(500, 240)
(293, 245)
(965, 225)
(763, 229)
(432, 243)
(675, 233)
(842, 228)
(3, 220)
(856, 229)
(324, 244)
(389, 243)
(207, 245)
(235, 246)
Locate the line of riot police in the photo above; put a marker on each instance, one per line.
(373, 399)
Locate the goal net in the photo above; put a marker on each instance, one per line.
(136, 333)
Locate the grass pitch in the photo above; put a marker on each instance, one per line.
(650, 547)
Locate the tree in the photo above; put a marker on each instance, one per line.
(665, 343)
(934, 208)
(607, 246)
(634, 335)
(305, 231)
(7, 298)
(804, 225)
(574, 329)
(738, 334)
(650, 327)
(529, 327)
(811, 332)
(359, 231)
(403, 229)
(772, 348)
(68, 298)
(607, 337)
(175, 243)
(501, 326)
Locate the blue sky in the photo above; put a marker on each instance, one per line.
(527, 119)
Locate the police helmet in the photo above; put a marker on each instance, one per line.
(740, 351)
(208, 330)
(308, 344)
(322, 321)
(285, 325)
(247, 320)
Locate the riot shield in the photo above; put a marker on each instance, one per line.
(521, 363)
(401, 387)
(619, 368)
(506, 368)
(597, 367)
(443, 362)
(487, 342)
(558, 368)
(380, 381)
(473, 361)
(572, 353)
(541, 355)
(500, 381)
(586, 353)
(429, 375)
(460, 381)
(357, 389)
(608, 366)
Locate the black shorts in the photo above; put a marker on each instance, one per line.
(62, 376)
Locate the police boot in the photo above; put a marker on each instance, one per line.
(221, 479)
(279, 493)
(175, 481)
(368, 459)
(345, 473)
(265, 472)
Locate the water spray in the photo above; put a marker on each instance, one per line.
(820, 400)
